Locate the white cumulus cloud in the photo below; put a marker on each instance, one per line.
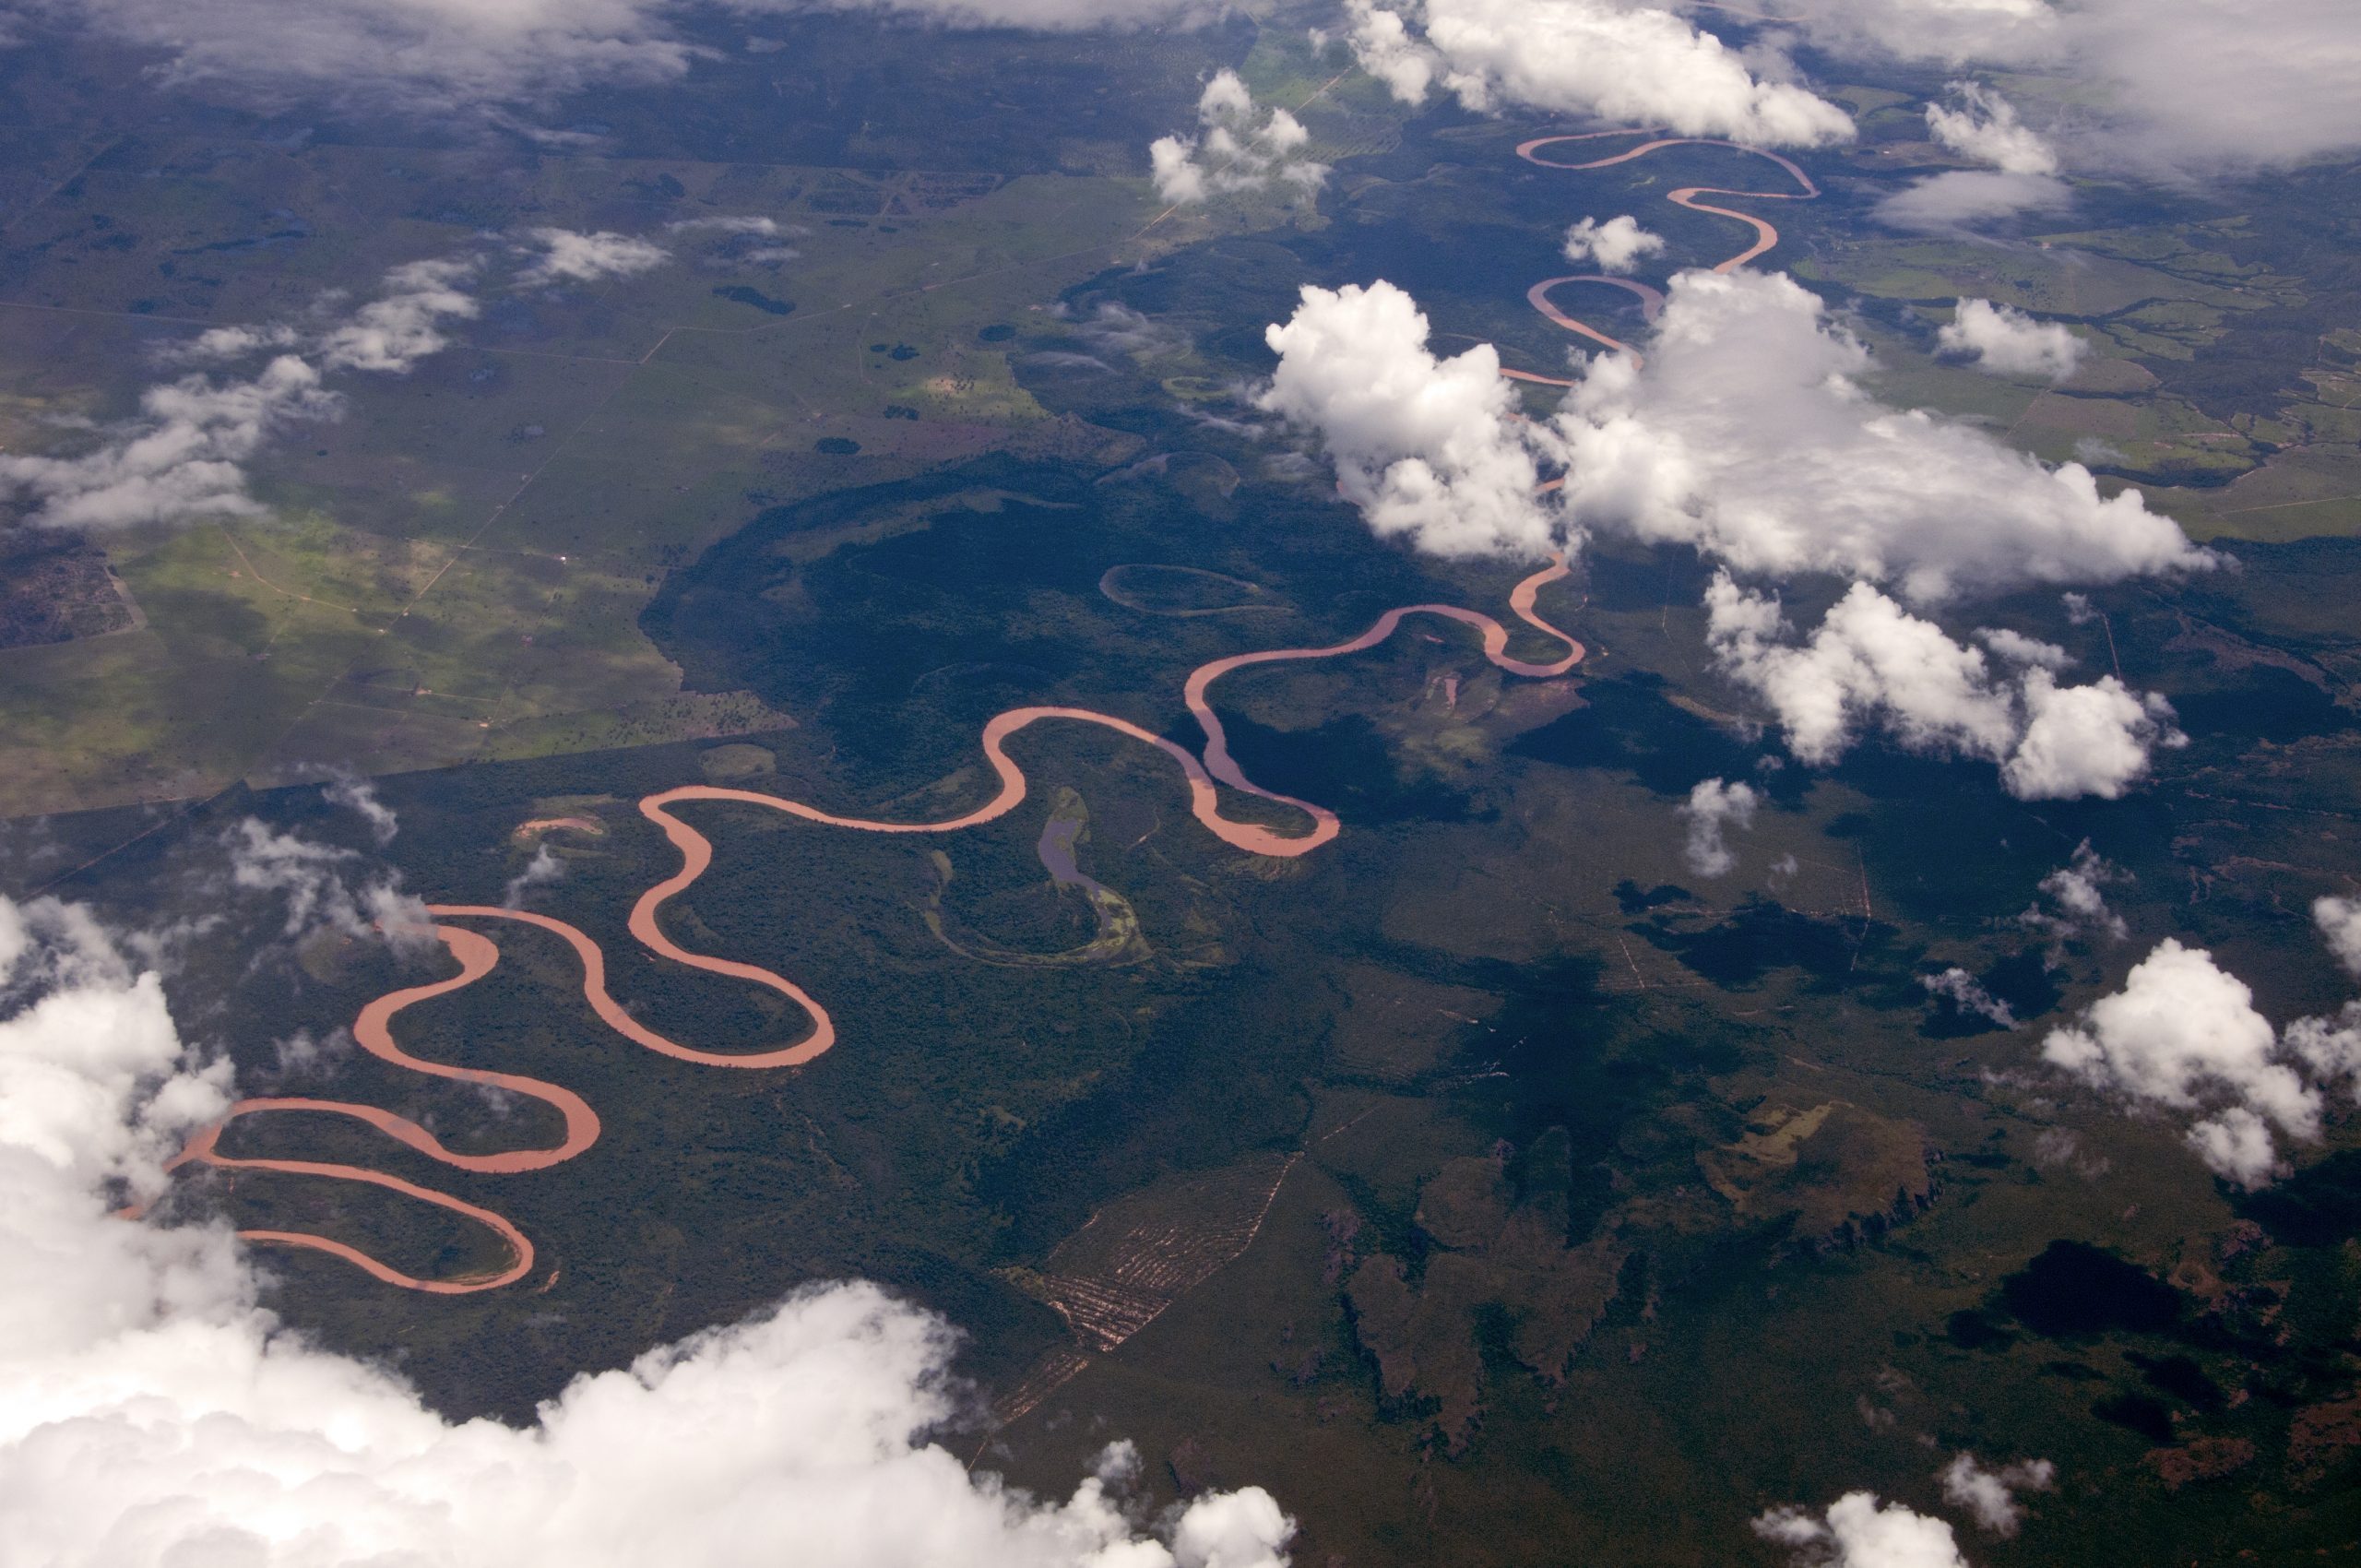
(2007, 341)
(2077, 892)
(1426, 447)
(1857, 1532)
(2018, 649)
(220, 345)
(389, 334)
(154, 1415)
(568, 256)
(1745, 436)
(395, 332)
(1236, 150)
(1984, 129)
(1991, 1495)
(2340, 923)
(1617, 244)
(1970, 199)
(2330, 1048)
(1870, 664)
(325, 887)
(1713, 807)
(180, 458)
(94, 1092)
(1636, 65)
(2090, 740)
(1745, 433)
(1951, 32)
(2183, 1035)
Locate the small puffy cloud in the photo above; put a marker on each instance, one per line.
(1970, 199)
(1857, 1532)
(2184, 1034)
(2330, 1049)
(2077, 892)
(568, 256)
(1617, 244)
(1871, 664)
(220, 345)
(2007, 341)
(1745, 433)
(542, 870)
(1986, 129)
(393, 333)
(1868, 659)
(1235, 151)
(1426, 447)
(1991, 1495)
(1636, 65)
(2340, 923)
(1963, 992)
(2236, 1144)
(1711, 807)
(180, 460)
(2018, 649)
(312, 878)
(2090, 740)
(158, 1417)
(389, 334)
(183, 458)
(756, 240)
(359, 796)
(1384, 46)
(1236, 1529)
